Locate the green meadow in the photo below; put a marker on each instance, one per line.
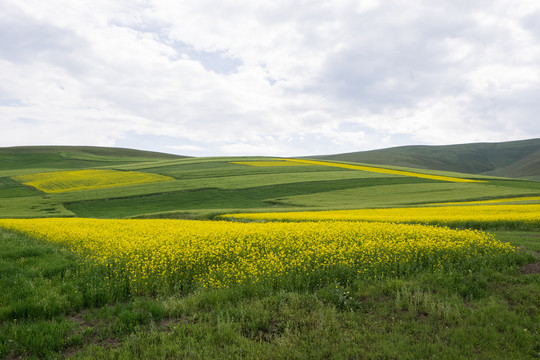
(207, 185)
(53, 306)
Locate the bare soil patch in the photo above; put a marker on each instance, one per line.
(533, 268)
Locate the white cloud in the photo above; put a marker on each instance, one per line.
(277, 78)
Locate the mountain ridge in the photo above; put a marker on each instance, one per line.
(511, 159)
(515, 159)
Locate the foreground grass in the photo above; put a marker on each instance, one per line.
(53, 308)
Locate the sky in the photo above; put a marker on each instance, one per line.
(274, 78)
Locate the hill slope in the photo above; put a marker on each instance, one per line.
(73, 157)
(206, 186)
(518, 159)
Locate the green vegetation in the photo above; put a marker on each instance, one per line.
(402, 194)
(71, 157)
(10, 188)
(212, 185)
(52, 306)
(509, 159)
(252, 197)
(226, 168)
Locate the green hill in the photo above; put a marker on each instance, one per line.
(351, 297)
(517, 159)
(197, 187)
(72, 157)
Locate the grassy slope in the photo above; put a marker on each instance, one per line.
(208, 185)
(217, 184)
(71, 157)
(216, 198)
(54, 307)
(403, 194)
(528, 166)
(509, 159)
(9, 188)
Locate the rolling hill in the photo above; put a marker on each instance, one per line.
(516, 159)
(65, 181)
(73, 157)
(93, 287)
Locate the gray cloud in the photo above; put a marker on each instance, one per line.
(531, 23)
(279, 78)
(23, 39)
(394, 57)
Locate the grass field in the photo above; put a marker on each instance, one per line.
(114, 288)
(206, 185)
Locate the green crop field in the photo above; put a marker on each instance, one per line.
(97, 290)
(206, 185)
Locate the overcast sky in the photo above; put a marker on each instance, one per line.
(279, 78)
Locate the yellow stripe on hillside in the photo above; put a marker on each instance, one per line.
(382, 170)
(88, 179)
(524, 214)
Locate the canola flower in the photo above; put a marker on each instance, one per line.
(75, 180)
(381, 170)
(149, 256)
(483, 215)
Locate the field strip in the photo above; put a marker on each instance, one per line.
(268, 163)
(492, 201)
(382, 170)
(76, 180)
(183, 161)
(478, 215)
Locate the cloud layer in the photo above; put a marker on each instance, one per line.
(275, 78)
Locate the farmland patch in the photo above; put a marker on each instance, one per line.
(76, 180)
(10, 188)
(218, 198)
(477, 216)
(383, 170)
(269, 163)
(148, 256)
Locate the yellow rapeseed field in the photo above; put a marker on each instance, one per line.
(443, 215)
(75, 180)
(381, 170)
(151, 255)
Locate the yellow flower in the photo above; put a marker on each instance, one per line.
(157, 254)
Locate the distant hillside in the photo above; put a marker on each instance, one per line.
(73, 157)
(518, 159)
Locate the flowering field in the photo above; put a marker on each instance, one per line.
(75, 180)
(381, 170)
(147, 256)
(527, 216)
